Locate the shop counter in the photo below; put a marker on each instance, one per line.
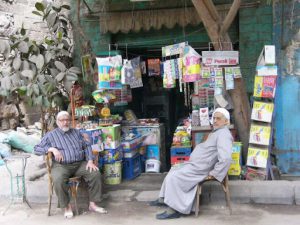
(159, 133)
(199, 134)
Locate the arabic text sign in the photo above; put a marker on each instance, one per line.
(220, 58)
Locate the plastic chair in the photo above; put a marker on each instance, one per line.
(73, 184)
(225, 187)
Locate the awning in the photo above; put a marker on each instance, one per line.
(138, 20)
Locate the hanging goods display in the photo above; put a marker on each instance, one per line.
(109, 72)
(87, 69)
(169, 77)
(176, 49)
(191, 65)
(257, 157)
(103, 96)
(153, 67)
(262, 111)
(131, 73)
(264, 86)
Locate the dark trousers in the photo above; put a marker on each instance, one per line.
(62, 172)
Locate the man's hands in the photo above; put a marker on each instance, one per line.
(209, 177)
(90, 166)
(57, 154)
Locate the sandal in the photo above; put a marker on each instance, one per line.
(68, 214)
(157, 203)
(165, 215)
(98, 210)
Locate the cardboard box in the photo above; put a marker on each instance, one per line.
(267, 56)
(94, 138)
(235, 166)
(111, 136)
(204, 117)
(133, 143)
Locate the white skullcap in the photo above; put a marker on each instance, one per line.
(223, 111)
(62, 113)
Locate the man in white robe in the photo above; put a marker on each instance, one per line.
(210, 159)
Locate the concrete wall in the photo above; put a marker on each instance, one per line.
(287, 120)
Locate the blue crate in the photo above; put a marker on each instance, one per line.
(143, 159)
(131, 167)
(181, 151)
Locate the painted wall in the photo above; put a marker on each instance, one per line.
(287, 120)
(255, 31)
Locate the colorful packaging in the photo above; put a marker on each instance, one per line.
(191, 65)
(94, 138)
(112, 155)
(153, 67)
(262, 111)
(260, 134)
(235, 166)
(264, 86)
(109, 71)
(257, 157)
(131, 73)
(111, 136)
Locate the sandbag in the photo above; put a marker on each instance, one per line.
(5, 148)
(22, 141)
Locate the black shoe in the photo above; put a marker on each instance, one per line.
(165, 215)
(157, 203)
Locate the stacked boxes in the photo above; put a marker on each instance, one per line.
(131, 157)
(235, 166)
(131, 167)
(112, 155)
(111, 136)
(93, 137)
(180, 154)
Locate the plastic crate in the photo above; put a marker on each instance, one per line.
(179, 159)
(131, 167)
(143, 159)
(181, 151)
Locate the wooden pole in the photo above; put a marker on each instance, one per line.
(218, 34)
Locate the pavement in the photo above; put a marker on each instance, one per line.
(146, 187)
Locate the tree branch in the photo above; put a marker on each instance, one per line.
(212, 9)
(230, 16)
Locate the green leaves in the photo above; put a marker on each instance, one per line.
(17, 63)
(28, 73)
(39, 62)
(37, 13)
(37, 70)
(23, 47)
(60, 66)
(39, 6)
(60, 76)
(66, 7)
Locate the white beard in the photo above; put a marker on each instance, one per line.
(65, 129)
